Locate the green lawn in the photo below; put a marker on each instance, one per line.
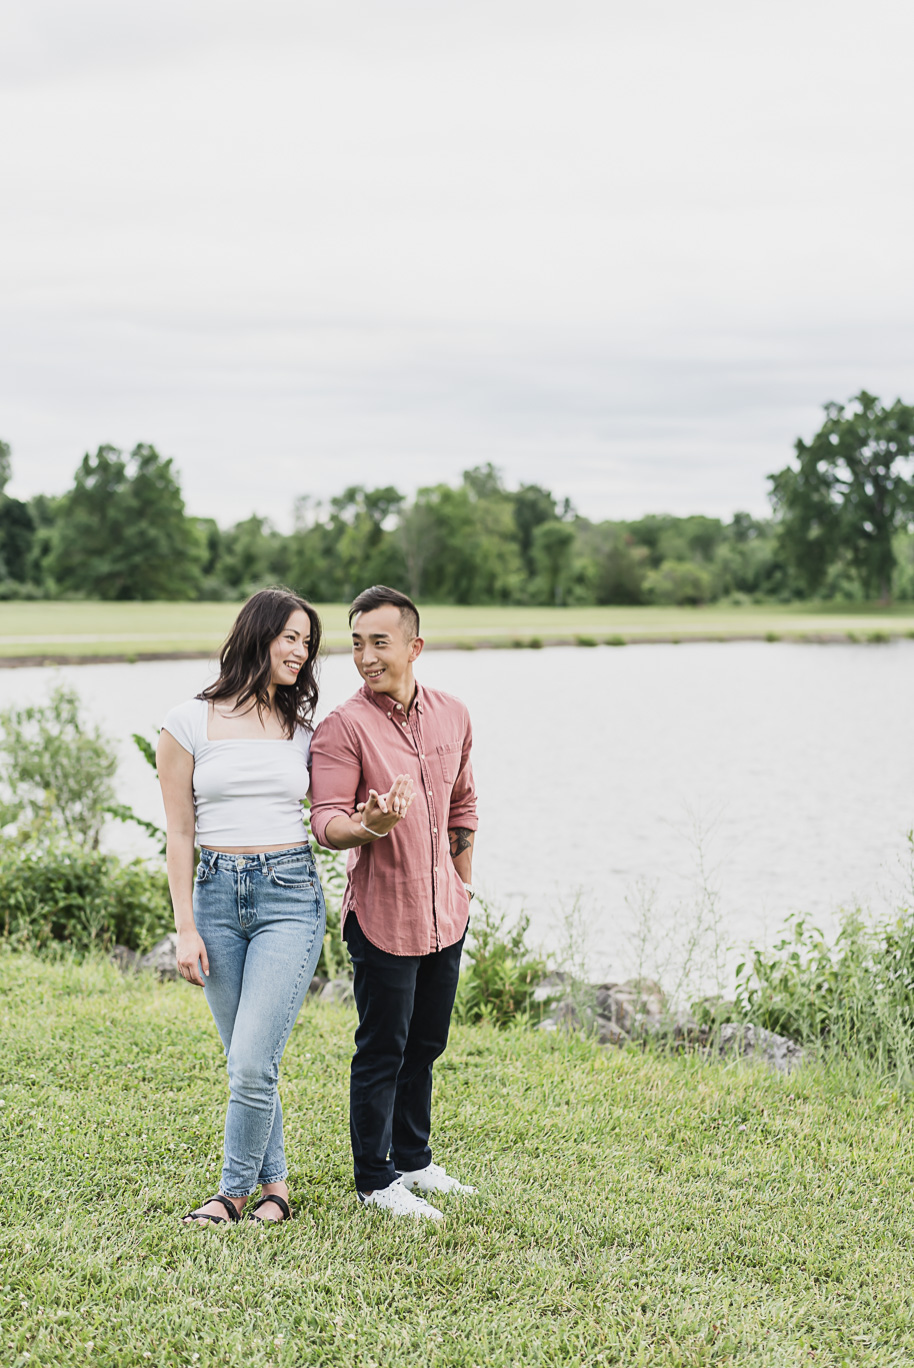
(54, 630)
(633, 1209)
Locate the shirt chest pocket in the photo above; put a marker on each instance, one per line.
(449, 760)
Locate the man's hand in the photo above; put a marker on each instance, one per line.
(191, 953)
(383, 811)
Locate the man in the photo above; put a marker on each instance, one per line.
(391, 781)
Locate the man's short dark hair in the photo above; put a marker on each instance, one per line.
(377, 596)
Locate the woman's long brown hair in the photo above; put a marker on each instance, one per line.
(244, 661)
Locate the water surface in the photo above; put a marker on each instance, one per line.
(606, 773)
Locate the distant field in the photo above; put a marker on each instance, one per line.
(56, 631)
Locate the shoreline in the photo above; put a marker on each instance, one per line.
(882, 637)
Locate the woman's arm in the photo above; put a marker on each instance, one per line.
(176, 775)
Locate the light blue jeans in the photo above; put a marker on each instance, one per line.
(262, 921)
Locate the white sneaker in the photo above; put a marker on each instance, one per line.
(432, 1179)
(399, 1202)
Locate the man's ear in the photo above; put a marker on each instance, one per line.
(415, 648)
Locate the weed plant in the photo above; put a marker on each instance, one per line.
(500, 973)
(853, 997)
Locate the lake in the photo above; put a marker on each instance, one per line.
(609, 779)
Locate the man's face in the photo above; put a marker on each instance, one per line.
(382, 650)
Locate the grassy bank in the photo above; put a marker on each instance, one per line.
(632, 1209)
(39, 631)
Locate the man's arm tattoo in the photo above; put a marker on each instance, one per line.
(461, 838)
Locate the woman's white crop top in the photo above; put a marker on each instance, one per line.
(246, 793)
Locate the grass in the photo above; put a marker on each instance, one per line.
(633, 1209)
(132, 630)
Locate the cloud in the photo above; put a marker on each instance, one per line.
(623, 251)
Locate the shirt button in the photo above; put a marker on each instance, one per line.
(404, 724)
(422, 755)
(399, 707)
(434, 831)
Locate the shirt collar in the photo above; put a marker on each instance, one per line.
(386, 703)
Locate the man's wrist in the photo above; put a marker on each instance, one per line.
(376, 834)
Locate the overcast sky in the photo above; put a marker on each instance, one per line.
(623, 250)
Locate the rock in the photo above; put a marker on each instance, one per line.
(126, 959)
(163, 958)
(687, 1030)
(552, 986)
(608, 1033)
(637, 1006)
(337, 990)
(569, 1015)
(316, 984)
(754, 1042)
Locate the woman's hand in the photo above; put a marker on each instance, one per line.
(191, 955)
(383, 811)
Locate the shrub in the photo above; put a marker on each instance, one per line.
(855, 996)
(678, 582)
(331, 866)
(66, 893)
(500, 973)
(57, 770)
(586, 640)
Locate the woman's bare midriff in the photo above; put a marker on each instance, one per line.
(250, 850)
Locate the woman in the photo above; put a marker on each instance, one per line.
(233, 763)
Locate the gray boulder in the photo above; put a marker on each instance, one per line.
(163, 958)
(754, 1042)
(127, 960)
(571, 1015)
(337, 990)
(552, 986)
(637, 1006)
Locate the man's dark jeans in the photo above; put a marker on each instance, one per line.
(405, 1004)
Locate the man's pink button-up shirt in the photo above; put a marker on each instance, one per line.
(404, 889)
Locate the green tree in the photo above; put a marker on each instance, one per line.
(849, 492)
(678, 582)
(533, 505)
(363, 543)
(553, 547)
(465, 541)
(620, 570)
(17, 532)
(245, 554)
(17, 527)
(121, 532)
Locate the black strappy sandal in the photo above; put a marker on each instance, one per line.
(280, 1202)
(199, 1215)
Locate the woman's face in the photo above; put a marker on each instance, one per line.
(289, 651)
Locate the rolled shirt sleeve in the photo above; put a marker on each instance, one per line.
(336, 770)
(462, 811)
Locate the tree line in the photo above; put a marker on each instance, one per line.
(842, 527)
